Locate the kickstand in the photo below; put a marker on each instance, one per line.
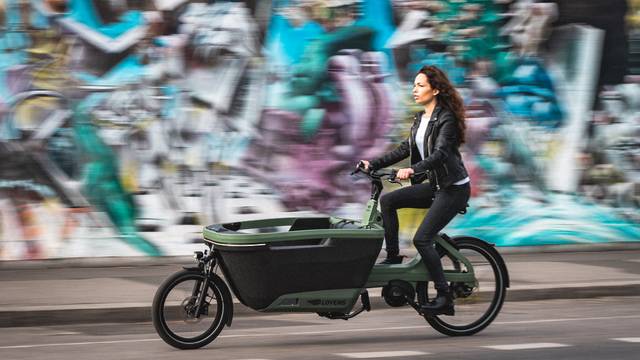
(366, 306)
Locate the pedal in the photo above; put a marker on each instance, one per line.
(449, 311)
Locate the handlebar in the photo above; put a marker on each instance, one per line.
(381, 174)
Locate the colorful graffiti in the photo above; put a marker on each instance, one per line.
(127, 125)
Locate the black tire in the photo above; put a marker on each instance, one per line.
(462, 324)
(160, 310)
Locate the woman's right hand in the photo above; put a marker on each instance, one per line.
(366, 164)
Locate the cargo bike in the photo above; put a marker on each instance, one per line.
(322, 265)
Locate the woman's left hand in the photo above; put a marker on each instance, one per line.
(404, 174)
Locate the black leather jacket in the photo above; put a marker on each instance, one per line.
(443, 166)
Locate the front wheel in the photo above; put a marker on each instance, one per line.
(475, 306)
(175, 313)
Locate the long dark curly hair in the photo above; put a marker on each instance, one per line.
(448, 96)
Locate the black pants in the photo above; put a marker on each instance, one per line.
(443, 207)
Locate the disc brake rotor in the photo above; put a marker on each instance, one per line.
(187, 310)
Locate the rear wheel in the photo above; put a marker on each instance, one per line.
(476, 306)
(174, 310)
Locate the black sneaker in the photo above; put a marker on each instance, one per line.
(392, 260)
(441, 305)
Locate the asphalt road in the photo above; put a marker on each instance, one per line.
(597, 328)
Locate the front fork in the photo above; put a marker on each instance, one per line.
(206, 263)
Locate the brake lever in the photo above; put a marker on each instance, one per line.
(392, 178)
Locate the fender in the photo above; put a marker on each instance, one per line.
(192, 268)
(226, 295)
(492, 249)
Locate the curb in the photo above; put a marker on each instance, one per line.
(572, 292)
(116, 313)
(596, 247)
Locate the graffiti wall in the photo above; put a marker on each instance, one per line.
(125, 126)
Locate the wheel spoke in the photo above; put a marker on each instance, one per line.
(174, 310)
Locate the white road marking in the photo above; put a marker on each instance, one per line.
(526, 346)
(381, 354)
(631, 340)
(64, 333)
(333, 331)
(565, 320)
(77, 343)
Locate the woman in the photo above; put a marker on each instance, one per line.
(432, 145)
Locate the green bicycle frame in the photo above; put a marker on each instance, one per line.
(415, 270)
(339, 299)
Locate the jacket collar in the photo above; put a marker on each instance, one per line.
(435, 114)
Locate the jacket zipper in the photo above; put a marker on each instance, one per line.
(410, 144)
(429, 154)
(415, 118)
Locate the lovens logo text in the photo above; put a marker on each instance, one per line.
(328, 302)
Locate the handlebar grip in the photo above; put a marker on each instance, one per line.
(394, 173)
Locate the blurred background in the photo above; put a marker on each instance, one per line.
(127, 125)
